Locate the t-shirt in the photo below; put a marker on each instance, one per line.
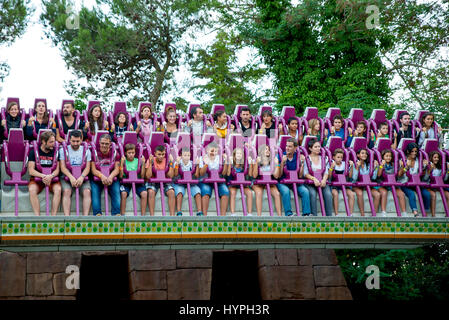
(290, 164)
(65, 127)
(213, 165)
(45, 158)
(131, 165)
(246, 131)
(271, 131)
(75, 157)
(161, 165)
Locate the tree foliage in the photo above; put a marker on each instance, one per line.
(225, 82)
(418, 274)
(125, 49)
(14, 18)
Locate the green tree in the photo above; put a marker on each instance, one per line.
(225, 82)
(125, 48)
(14, 18)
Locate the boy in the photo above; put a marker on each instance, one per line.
(186, 165)
(382, 132)
(131, 163)
(360, 131)
(160, 163)
(337, 128)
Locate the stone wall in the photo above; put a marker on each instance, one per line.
(311, 274)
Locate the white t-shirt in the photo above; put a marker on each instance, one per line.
(213, 165)
(75, 157)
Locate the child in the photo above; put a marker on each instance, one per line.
(362, 167)
(238, 164)
(292, 126)
(338, 167)
(263, 167)
(428, 129)
(387, 166)
(382, 132)
(315, 129)
(185, 164)
(337, 128)
(131, 164)
(360, 131)
(434, 169)
(212, 161)
(120, 124)
(221, 124)
(96, 122)
(145, 126)
(160, 163)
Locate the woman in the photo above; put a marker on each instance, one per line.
(12, 120)
(428, 129)
(96, 122)
(40, 120)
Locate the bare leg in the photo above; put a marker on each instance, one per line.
(401, 198)
(258, 190)
(56, 198)
(205, 204)
(376, 196)
(123, 197)
(198, 202)
(143, 202)
(335, 200)
(360, 202)
(179, 202)
(32, 189)
(249, 199)
(277, 199)
(351, 199)
(171, 201)
(224, 204)
(86, 201)
(383, 199)
(151, 201)
(233, 192)
(67, 201)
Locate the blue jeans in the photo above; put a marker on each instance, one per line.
(284, 190)
(114, 192)
(181, 188)
(426, 199)
(410, 193)
(327, 197)
(206, 189)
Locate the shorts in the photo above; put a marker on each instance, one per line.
(156, 186)
(67, 185)
(206, 189)
(41, 185)
(388, 188)
(181, 188)
(140, 187)
(339, 188)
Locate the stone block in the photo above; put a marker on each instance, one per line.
(61, 298)
(328, 276)
(142, 260)
(59, 285)
(189, 284)
(147, 280)
(278, 257)
(305, 257)
(149, 295)
(333, 293)
(12, 274)
(40, 284)
(53, 262)
(286, 282)
(324, 257)
(186, 259)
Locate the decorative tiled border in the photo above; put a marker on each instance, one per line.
(226, 229)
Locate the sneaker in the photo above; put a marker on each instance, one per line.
(404, 214)
(383, 214)
(288, 214)
(233, 214)
(179, 214)
(306, 214)
(249, 214)
(98, 215)
(199, 214)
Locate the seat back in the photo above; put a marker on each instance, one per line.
(404, 143)
(288, 112)
(217, 107)
(16, 145)
(382, 144)
(359, 143)
(430, 145)
(332, 112)
(333, 143)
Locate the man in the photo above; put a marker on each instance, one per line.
(68, 121)
(405, 131)
(75, 156)
(289, 159)
(104, 159)
(246, 123)
(195, 125)
(46, 158)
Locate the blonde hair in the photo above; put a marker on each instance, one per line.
(312, 124)
(261, 154)
(242, 162)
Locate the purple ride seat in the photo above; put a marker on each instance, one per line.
(22, 113)
(356, 115)
(236, 119)
(329, 118)
(309, 114)
(379, 116)
(16, 149)
(119, 106)
(287, 113)
(31, 114)
(154, 118)
(397, 123)
(59, 116)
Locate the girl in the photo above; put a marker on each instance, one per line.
(170, 128)
(130, 162)
(96, 122)
(434, 169)
(221, 124)
(145, 125)
(411, 166)
(387, 167)
(428, 129)
(263, 162)
(238, 164)
(40, 120)
(359, 168)
(120, 124)
(292, 126)
(315, 129)
(338, 167)
(316, 165)
(12, 118)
